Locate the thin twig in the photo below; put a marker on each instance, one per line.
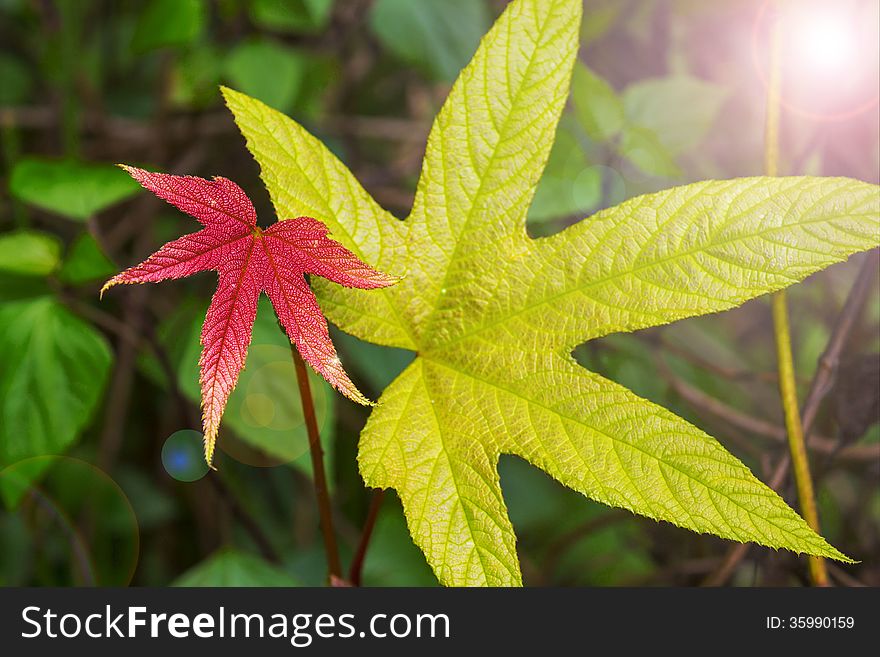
(318, 475)
(357, 564)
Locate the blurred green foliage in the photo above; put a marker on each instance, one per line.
(71, 189)
(165, 23)
(666, 93)
(229, 567)
(439, 38)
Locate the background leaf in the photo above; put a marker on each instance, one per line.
(679, 109)
(571, 185)
(597, 106)
(307, 16)
(52, 355)
(438, 37)
(229, 567)
(29, 253)
(85, 262)
(267, 70)
(169, 23)
(645, 150)
(71, 189)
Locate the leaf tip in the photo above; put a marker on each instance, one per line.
(106, 287)
(837, 555)
(130, 170)
(228, 93)
(355, 395)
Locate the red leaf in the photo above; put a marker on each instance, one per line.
(249, 260)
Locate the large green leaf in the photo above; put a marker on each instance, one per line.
(229, 567)
(493, 314)
(75, 190)
(52, 375)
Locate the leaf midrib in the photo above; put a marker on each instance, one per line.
(443, 346)
(458, 496)
(612, 439)
(228, 321)
(514, 103)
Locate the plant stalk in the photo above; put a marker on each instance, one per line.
(334, 566)
(357, 564)
(799, 460)
(787, 384)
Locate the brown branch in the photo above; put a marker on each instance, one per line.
(823, 379)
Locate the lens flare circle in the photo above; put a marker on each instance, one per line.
(85, 522)
(824, 47)
(183, 456)
(823, 41)
(265, 411)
